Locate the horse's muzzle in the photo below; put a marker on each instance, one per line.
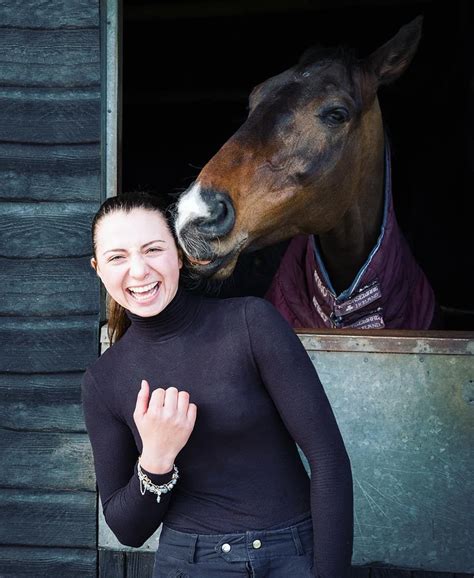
(220, 217)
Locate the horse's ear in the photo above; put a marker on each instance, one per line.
(389, 61)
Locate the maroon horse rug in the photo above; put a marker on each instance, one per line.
(390, 290)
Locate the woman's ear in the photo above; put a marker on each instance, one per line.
(94, 264)
(180, 257)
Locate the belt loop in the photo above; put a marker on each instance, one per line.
(296, 540)
(192, 548)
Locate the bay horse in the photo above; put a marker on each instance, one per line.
(312, 163)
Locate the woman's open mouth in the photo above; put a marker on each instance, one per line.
(145, 292)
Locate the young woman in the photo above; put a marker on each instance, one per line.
(218, 390)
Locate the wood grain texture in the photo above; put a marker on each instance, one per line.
(46, 229)
(47, 563)
(47, 287)
(74, 185)
(48, 403)
(422, 574)
(36, 345)
(46, 461)
(389, 573)
(59, 116)
(54, 160)
(52, 519)
(111, 564)
(360, 572)
(50, 14)
(139, 564)
(49, 58)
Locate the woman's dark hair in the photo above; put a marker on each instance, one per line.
(118, 322)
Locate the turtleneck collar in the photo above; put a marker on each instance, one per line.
(170, 322)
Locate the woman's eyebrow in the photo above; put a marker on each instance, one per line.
(113, 251)
(142, 247)
(151, 242)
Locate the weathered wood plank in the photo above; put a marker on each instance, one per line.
(21, 185)
(389, 573)
(36, 345)
(46, 229)
(58, 116)
(360, 572)
(47, 562)
(63, 519)
(111, 564)
(54, 160)
(48, 287)
(41, 402)
(139, 564)
(69, 58)
(422, 574)
(46, 461)
(50, 14)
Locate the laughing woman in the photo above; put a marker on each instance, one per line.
(193, 415)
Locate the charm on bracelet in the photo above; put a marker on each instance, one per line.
(147, 485)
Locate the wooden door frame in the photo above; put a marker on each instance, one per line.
(111, 74)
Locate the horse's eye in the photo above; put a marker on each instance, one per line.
(335, 116)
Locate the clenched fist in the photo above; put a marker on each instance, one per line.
(164, 421)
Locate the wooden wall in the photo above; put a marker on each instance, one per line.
(49, 298)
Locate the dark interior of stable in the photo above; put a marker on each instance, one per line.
(188, 68)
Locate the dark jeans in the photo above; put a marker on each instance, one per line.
(285, 553)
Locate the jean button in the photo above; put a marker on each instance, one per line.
(226, 548)
(256, 544)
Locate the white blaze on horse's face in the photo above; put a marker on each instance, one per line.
(191, 206)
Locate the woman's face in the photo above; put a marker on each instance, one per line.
(137, 260)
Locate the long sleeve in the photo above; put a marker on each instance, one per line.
(298, 395)
(132, 517)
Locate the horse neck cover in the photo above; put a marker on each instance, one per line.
(390, 290)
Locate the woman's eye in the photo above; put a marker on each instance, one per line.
(335, 116)
(154, 250)
(115, 258)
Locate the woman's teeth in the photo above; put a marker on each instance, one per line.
(145, 292)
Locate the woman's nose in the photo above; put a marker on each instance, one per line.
(138, 267)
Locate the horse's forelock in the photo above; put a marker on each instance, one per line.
(323, 54)
(347, 58)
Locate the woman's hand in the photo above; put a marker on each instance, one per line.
(164, 421)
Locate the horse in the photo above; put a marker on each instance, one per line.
(312, 164)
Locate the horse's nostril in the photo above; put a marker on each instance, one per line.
(221, 214)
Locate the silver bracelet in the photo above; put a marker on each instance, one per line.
(147, 484)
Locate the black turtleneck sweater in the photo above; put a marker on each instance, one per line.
(257, 394)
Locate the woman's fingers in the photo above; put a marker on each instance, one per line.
(141, 406)
(191, 415)
(171, 401)
(183, 402)
(157, 400)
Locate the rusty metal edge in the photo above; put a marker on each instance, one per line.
(388, 341)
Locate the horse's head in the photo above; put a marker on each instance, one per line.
(295, 166)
